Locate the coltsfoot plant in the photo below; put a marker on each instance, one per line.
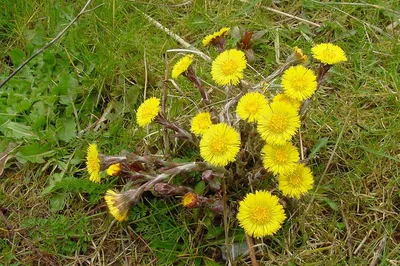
(243, 133)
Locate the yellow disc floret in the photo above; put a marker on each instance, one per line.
(181, 66)
(278, 123)
(297, 182)
(208, 39)
(328, 53)
(200, 123)
(147, 111)
(220, 144)
(117, 204)
(299, 82)
(261, 214)
(228, 67)
(93, 163)
(280, 159)
(251, 105)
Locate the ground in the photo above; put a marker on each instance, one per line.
(87, 86)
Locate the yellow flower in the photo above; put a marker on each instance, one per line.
(282, 97)
(278, 123)
(280, 159)
(200, 123)
(228, 67)
(117, 204)
(189, 200)
(328, 53)
(93, 163)
(299, 55)
(147, 111)
(250, 106)
(219, 144)
(299, 82)
(260, 214)
(181, 66)
(296, 183)
(208, 39)
(114, 169)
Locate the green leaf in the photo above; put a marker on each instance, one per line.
(17, 130)
(23, 105)
(210, 262)
(49, 58)
(66, 85)
(34, 153)
(17, 56)
(57, 201)
(331, 204)
(66, 129)
(52, 183)
(200, 187)
(213, 232)
(379, 153)
(322, 142)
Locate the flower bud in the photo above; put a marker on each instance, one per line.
(114, 169)
(298, 55)
(165, 189)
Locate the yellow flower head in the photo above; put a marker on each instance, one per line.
(250, 106)
(228, 67)
(189, 200)
(181, 66)
(220, 144)
(328, 53)
(278, 123)
(93, 163)
(114, 169)
(280, 159)
(208, 39)
(118, 205)
(260, 214)
(200, 123)
(282, 97)
(299, 82)
(297, 182)
(299, 55)
(147, 111)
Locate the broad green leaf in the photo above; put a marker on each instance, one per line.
(17, 57)
(23, 105)
(17, 130)
(53, 181)
(66, 129)
(200, 187)
(34, 153)
(213, 232)
(66, 85)
(57, 201)
(49, 58)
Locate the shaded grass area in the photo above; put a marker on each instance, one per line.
(49, 214)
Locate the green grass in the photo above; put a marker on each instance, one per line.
(51, 108)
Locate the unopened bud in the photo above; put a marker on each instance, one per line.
(207, 176)
(114, 169)
(212, 180)
(217, 207)
(193, 200)
(189, 200)
(298, 55)
(166, 189)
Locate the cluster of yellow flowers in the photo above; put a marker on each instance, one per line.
(277, 121)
